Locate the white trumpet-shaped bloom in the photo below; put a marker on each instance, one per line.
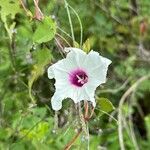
(77, 76)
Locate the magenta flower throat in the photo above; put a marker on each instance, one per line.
(78, 77)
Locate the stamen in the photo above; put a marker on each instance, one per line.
(79, 79)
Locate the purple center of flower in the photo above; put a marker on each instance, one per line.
(78, 77)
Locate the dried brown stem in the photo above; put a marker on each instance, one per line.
(92, 112)
(86, 110)
(120, 113)
(23, 6)
(86, 118)
(73, 140)
(25, 9)
(38, 13)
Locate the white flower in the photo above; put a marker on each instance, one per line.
(77, 76)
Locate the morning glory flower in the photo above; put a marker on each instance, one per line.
(77, 76)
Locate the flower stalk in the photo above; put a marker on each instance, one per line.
(84, 121)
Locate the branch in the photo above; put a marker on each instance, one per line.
(38, 13)
(114, 91)
(122, 100)
(73, 140)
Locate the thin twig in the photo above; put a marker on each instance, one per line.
(88, 138)
(108, 115)
(92, 112)
(67, 34)
(23, 6)
(73, 140)
(25, 9)
(60, 47)
(122, 100)
(55, 121)
(84, 123)
(114, 91)
(38, 13)
(70, 21)
(86, 110)
(104, 9)
(30, 129)
(80, 23)
(63, 39)
(133, 137)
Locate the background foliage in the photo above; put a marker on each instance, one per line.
(117, 29)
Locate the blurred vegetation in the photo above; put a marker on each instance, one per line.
(117, 29)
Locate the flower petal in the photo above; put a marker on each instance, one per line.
(90, 90)
(74, 60)
(96, 66)
(63, 91)
(56, 101)
(76, 94)
(50, 72)
(93, 64)
(75, 56)
(61, 94)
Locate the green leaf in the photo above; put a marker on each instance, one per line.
(76, 44)
(105, 104)
(40, 112)
(42, 58)
(45, 31)
(9, 8)
(38, 133)
(18, 146)
(5, 133)
(88, 44)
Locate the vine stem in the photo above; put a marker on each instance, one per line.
(80, 23)
(11, 55)
(84, 122)
(25, 9)
(122, 100)
(23, 6)
(63, 39)
(11, 46)
(73, 140)
(70, 21)
(67, 34)
(86, 110)
(38, 13)
(56, 121)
